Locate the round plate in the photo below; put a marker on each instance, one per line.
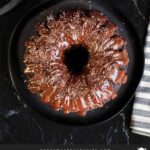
(26, 28)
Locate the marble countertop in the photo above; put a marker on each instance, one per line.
(22, 125)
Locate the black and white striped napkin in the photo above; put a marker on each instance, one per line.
(140, 119)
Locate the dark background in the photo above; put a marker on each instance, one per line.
(21, 125)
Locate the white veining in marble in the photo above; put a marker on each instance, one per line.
(11, 113)
(138, 9)
(124, 129)
(111, 133)
(40, 129)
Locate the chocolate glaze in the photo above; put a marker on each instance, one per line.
(48, 75)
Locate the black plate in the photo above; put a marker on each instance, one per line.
(25, 29)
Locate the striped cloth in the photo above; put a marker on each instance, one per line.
(140, 119)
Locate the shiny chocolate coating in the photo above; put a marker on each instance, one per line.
(49, 77)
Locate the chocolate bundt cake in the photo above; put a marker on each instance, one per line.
(76, 61)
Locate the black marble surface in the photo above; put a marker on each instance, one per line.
(22, 125)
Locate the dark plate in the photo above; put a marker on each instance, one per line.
(25, 29)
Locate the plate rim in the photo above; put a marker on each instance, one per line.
(11, 75)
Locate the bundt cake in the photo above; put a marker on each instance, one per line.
(76, 61)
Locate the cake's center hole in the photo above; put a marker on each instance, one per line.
(76, 58)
